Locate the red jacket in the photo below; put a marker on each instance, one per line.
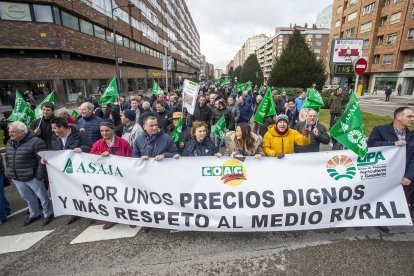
(121, 147)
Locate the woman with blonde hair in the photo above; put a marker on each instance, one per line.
(243, 142)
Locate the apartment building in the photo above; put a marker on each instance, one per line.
(387, 28)
(68, 45)
(248, 48)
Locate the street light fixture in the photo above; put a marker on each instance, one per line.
(130, 5)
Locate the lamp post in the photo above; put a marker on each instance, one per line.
(130, 5)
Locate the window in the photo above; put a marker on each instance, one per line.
(365, 45)
(70, 21)
(318, 36)
(132, 45)
(317, 51)
(16, 11)
(99, 32)
(392, 38)
(43, 13)
(366, 27)
(395, 18)
(318, 43)
(411, 58)
(380, 40)
(387, 59)
(119, 40)
(109, 36)
(412, 13)
(56, 13)
(353, 2)
(377, 59)
(387, 2)
(352, 16)
(337, 24)
(126, 42)
(410, 35)
(349, 32)
(383, 21)
(86, 27)
(368, 9)
(396, 1)
(339, 10)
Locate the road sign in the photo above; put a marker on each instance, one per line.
(360, 66)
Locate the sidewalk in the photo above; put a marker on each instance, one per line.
(394, 99)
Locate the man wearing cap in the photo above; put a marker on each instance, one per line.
(280, 139)
(318, 133)
(185, 130)
(131, 129)
(153, 143)
(110, 144)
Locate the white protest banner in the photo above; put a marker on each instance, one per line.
(300, 191)
(190, 93)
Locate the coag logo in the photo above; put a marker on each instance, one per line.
(92, 168)
(341, 166)
(371, 158)
(232, 172)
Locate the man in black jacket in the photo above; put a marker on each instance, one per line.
(202, 112)
(24, 168)
(41, 126)
(398, 134)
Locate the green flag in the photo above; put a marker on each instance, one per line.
(313, 100)
(240, 87)
(248, 87)
(74, 114)
(216, 82)
(111, 93)
(156, 89)
(220, 128)
(266, 107)
(260, 89)
(177, 134)
(349, 129)
(21, 111)
(49, 99)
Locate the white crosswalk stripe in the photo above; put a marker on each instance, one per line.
(96, 233)
(21, 242)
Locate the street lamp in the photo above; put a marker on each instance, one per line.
(130, 5)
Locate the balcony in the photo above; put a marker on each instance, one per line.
(408, 65)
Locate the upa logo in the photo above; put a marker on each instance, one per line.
(341, 166)
(371, 158)
(92, 168)
(372, 165)
(231, 172)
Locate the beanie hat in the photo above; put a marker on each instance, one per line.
(282, 117)
(107, 124)
(130, 114)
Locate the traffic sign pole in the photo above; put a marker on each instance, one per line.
(360, 66)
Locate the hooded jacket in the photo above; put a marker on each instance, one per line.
(274, 143)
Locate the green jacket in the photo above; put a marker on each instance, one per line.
(337, 103)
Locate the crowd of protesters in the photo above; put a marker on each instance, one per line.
(141, 127)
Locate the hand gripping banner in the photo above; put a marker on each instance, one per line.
(298, 192)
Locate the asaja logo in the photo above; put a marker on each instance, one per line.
(92, 168)
(232, 172)
(341, 166)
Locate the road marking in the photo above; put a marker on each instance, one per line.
(18, 212)
(96, 233)
(21, 242)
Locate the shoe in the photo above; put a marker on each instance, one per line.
(108, 225)
(384, 229)
(30, 220)
(47, 220)
(72, 220)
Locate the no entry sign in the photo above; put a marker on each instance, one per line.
(360, 66)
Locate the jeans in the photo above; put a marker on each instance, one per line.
(4, 204)
(30, 191)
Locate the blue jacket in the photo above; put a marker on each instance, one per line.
(298, 103)
(245, 112)
(91, 127)
(155, 145)
(384, 135)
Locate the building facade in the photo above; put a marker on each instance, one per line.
(268, 51)
(324, 19)
(69, 45)
(387, 28)
(248, 48)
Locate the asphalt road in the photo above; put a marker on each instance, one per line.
(376, 104)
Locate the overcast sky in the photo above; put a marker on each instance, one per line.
(224, 25)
